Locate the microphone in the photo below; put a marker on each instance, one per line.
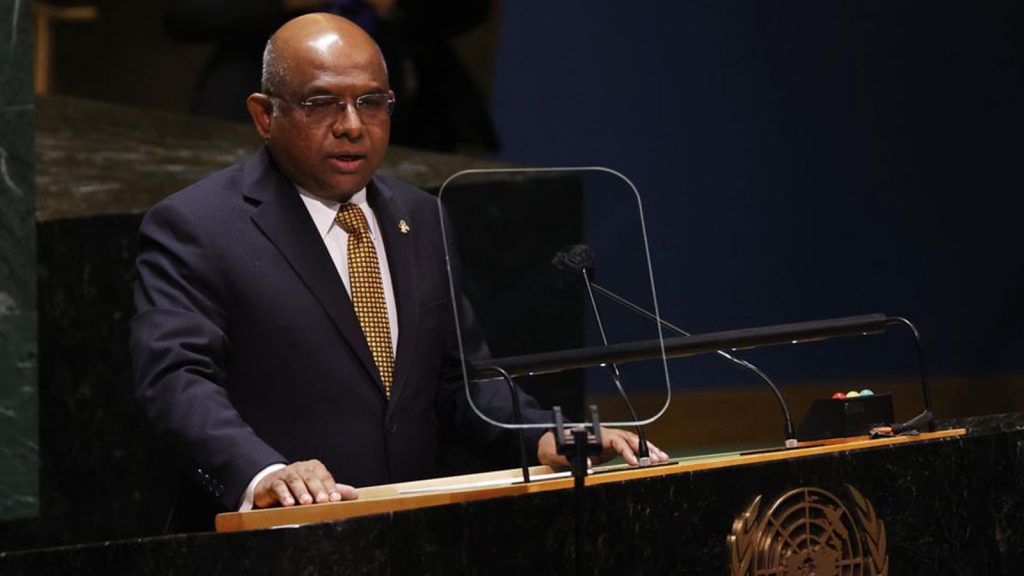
(569, 263)
(573, 263)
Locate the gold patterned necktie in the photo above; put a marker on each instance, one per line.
(367, 291)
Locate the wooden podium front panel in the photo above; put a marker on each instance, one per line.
(456, 489)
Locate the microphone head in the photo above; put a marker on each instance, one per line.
(569, 263)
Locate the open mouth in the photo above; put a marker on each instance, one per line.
(346, 162)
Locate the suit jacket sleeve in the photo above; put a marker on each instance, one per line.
(179, 349)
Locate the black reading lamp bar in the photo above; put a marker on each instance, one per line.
(711, 342)
(682, 346)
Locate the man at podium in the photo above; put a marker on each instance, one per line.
(293, 312)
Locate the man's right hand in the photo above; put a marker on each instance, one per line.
(300, 483)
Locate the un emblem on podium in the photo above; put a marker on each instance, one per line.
(809, 532)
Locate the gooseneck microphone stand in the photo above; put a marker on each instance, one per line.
(791, 440)
(572, 261)
(643, 453)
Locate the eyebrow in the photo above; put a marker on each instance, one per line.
(321, 92)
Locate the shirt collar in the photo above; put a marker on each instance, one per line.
(323, 210)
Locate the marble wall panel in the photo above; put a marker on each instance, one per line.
(19, 461)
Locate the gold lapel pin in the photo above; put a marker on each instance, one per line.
(403, 227)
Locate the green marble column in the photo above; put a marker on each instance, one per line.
(19, 446)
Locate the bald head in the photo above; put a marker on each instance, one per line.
(324, 112)
(312, 33)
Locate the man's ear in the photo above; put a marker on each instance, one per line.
(261, 108)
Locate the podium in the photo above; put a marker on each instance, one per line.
(508, 483)
(946, 503)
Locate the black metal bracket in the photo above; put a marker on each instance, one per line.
(577, 444)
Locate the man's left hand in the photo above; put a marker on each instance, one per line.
(614, 442)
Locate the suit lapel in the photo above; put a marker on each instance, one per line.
(284, 220)
(401, 256)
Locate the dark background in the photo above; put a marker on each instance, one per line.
(798, 161)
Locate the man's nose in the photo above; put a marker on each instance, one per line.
(349, 123)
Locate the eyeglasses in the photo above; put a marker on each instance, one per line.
(327, 110)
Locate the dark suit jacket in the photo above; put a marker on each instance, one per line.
(247, 350)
